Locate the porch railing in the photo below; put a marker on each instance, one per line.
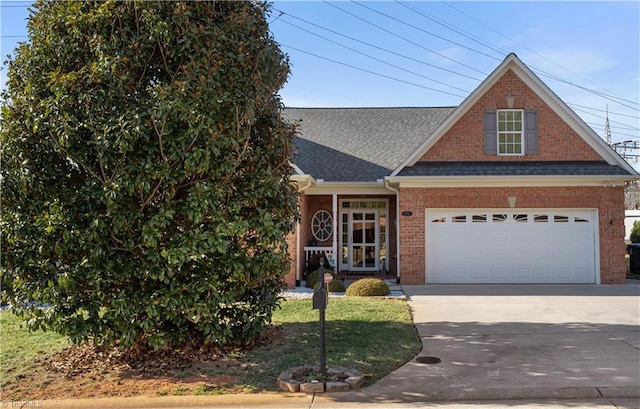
(312, 251)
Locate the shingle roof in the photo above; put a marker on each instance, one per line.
(360, 144)
(524, 168)
(367, 144)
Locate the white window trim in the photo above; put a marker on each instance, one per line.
(349, 211)
(322, 222)
(522, 133)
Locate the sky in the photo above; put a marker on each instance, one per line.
(435, 53)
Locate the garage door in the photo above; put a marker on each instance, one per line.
(511, 246)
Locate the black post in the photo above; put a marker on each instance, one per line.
(323, 359)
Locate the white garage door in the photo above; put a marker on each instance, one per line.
(511, 246)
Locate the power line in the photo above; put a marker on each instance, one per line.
(403, 38)
(427, 32)
(539, 70)
(371, 72)
(619, 125)
(602, 110)
(529, 49)
(455, 30)
(611, 98)
(378, 59)
(380, 48)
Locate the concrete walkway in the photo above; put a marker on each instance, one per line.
(500, 346)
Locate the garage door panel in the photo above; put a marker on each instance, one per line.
(507, 246)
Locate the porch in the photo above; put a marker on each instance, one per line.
(357, 233)
(311, 252)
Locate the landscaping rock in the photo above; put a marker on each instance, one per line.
(336, 387)
(336, 371)
(285, 375)
(289, 385)
(341, 379)
(298, 371)
(352, 372)
(355, 382)
(312, 387)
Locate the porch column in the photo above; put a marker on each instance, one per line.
(335, 230)
(298, 252)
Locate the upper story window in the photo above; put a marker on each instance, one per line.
(510, 132)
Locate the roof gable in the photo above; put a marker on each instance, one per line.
(512, 64)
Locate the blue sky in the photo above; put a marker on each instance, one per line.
(410, 53)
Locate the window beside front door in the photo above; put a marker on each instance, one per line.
(510, 132)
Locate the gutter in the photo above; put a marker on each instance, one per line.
(511, 181)
(309, 181)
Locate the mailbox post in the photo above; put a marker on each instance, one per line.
(320, 301)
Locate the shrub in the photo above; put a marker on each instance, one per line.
(635, 232)
(314, 263)
(368, 287)
(336, 286)
(146, 193)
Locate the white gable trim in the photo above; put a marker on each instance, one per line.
(297, 169)
(506, 181)
(513, 63)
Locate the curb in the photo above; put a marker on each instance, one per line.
(275, 400)
(283, 400)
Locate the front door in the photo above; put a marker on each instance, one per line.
(363, 240)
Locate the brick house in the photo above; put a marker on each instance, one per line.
(511, 186)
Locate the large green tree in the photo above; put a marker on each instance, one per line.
(145, 172)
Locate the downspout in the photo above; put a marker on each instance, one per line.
(310, 182)
(397, 192)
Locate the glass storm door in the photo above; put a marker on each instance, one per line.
(363, 245)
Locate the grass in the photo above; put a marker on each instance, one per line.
(19, 348)
(373, 335)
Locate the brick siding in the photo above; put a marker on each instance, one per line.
(608, 200)
(465, 141)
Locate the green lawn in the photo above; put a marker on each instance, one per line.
(19, 348)
(373, 335)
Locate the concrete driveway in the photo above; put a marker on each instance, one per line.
(499, 342)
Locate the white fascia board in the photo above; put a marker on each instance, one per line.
(507, 181)
(349, 188)
(296, 169)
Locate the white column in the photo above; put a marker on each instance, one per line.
(297, 254)
(335, 230)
